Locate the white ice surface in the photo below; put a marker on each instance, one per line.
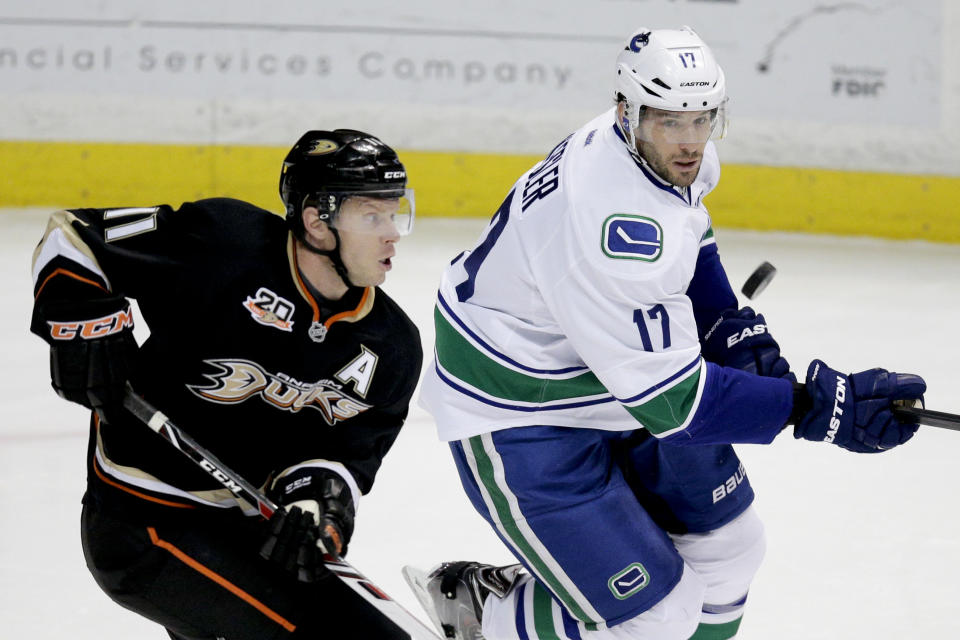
(859, 546)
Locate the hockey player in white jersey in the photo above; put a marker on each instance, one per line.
(593, 369)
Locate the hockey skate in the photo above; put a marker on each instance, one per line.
(453, 594)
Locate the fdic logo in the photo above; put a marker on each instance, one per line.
(857, 82)
(628, 581)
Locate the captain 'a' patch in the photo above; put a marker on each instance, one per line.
(359, 371)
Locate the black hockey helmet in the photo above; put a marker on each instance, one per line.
(325, 167)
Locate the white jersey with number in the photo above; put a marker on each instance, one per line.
(571, 310)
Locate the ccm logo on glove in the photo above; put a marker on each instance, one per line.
(758, 329)
(92, 329)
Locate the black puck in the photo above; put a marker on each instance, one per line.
(758, 280)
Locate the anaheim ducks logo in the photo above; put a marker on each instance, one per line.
(320, 147)
(239, 380)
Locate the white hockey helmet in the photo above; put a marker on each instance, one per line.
(671, 70)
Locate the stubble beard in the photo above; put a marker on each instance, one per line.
(661, 166)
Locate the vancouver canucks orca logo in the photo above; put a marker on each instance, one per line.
(631, 237)
(629, 581)
(639, 41)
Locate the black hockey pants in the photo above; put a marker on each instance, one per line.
(202, 580)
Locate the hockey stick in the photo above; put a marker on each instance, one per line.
(243, 490)
(927, 417)
(759, 280)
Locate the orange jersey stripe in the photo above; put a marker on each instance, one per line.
(70, 274)
(143, 496)
(353, 312)
(292, 248)
(223, 582)
(343, 315)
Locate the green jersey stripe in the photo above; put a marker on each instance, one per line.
(499, 504)
(723, 631)
(461, 359)
(664, 411)
(671, 408)
(543, 614)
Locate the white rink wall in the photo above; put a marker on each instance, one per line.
(872, 85)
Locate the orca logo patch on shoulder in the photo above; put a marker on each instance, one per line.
(631, 237)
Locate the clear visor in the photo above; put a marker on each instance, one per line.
(682, 127)
(376, 213)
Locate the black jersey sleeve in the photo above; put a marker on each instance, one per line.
(114, 251)
(131, 250)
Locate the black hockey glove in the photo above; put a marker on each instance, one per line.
(316, 517)
(740, 339)
(853, 411)
(92, 350)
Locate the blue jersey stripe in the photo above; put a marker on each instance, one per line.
(660, 385)
(513, 407)
(521, 608)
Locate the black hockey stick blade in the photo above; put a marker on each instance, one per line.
(244, 490)
(927, 418)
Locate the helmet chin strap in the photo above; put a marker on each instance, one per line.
(333, 254)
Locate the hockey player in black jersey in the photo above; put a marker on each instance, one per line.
(272, 345)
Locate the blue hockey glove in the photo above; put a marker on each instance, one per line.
(316, 517)
(853, 411)
(740, 339)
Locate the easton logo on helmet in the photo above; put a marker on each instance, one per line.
(320, 147)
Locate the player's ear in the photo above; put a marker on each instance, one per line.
(315, 228)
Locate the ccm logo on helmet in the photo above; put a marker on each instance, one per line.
(92, 329)
(387, 175)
